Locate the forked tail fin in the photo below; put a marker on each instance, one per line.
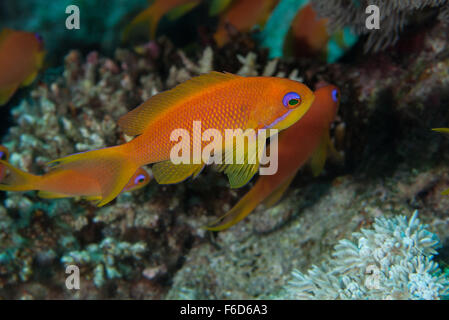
(16, 179)
(110, 167)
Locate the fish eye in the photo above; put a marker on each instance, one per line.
(139, 179)
(291, 100)
(335, 95)
(2, 155)
(38, 37)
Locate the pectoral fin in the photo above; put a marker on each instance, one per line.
(28, 80)
(6, 93)
(318, 158)
(240, 167)
(166, 172)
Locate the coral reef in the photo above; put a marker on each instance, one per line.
(393, 260)
(394, 16)
(103, 33)
(393, 165)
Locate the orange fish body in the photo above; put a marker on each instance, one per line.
(219, 101)
(309, 32)
(153, 14)
(243, 15)
(63, 183)
(4, 155)
(306, 140)
(21, 57)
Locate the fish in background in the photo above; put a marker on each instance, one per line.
(242, 15)
(21, 57)
(218, 6)
(444, 131)
(151, 16)
(306, 140)
(309, 36)
(4, 155)
(62, 183)
(219, 100)
(294, 29)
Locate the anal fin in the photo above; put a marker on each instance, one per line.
(52, 195)
(277, 194)
(166, 172)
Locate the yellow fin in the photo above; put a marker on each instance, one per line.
(277, 194)
(240, 167)
(151, 16)
(6, 93)
(445, 192)
(218, 6)
(28, 80)
(166, 172)
(444, 131)
(52, 195)
(134, 122)
(181, 10)
(92, 198)
(240, 174)
(318, 159)
(242, 209)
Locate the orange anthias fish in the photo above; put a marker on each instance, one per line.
(153, 14)
(4, 155)
(219, 101)
(309, 32)
(21, 57)
(243, 15)
(306, 140)
(444, 131)
(62, 183)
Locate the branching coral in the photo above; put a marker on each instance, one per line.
(106, 258)
(393, 261)
(394, 16)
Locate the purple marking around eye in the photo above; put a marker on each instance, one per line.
(1, 155)
(335, 95)
(271, 125)
(139, 179)
(289, 96)
(38, 37)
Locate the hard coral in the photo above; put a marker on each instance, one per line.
(391, 261)
(394, 16)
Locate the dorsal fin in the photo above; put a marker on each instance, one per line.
(134, 122)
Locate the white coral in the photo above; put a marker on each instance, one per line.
(392, 261)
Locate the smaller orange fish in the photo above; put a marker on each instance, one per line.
(62, 183)
(309, 32)
(306, 140)
(151, 16)
(21, 57)
(444, 131)
(4, 155)
(243, 15)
